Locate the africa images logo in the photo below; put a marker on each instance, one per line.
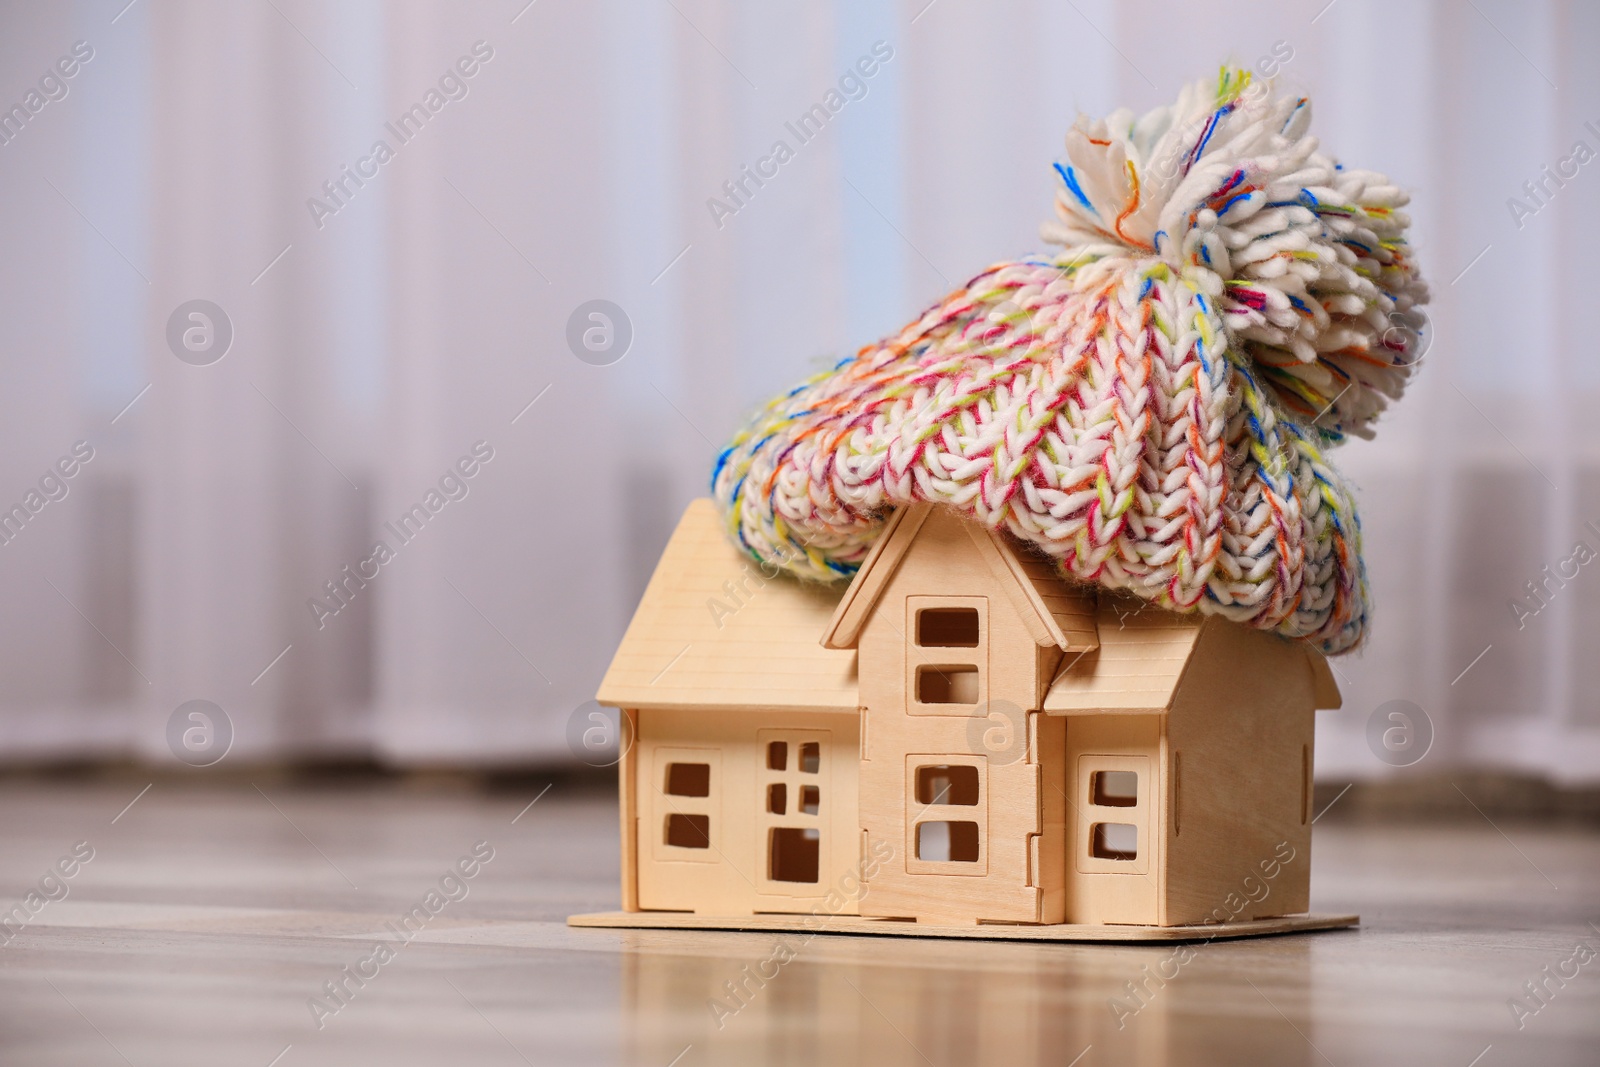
(199, 332)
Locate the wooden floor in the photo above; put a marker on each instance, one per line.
(210, 917)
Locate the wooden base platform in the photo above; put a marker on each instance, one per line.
(853, 924)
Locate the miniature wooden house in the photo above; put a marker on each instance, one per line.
(960, 737)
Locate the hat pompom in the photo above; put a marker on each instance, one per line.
(1306, 260)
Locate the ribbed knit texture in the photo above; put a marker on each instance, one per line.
(1151, 405)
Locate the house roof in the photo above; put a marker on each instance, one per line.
(1141, 659)
(1144, 653)
(1323, 688)
(713, 630)
(1054, 612)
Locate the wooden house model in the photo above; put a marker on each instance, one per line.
(959, 742)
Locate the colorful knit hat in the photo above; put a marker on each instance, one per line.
(1149, 406)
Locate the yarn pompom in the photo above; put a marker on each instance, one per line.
(1150, 405)
(1305, 260)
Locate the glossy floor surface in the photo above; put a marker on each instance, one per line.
(212, 922)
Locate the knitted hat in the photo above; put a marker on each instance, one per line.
(1150, 406)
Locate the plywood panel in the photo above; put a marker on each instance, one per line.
(1054, 611)
(716, 629)
(844, 628)
(1324, 690)
(1071, 607)
(731, 877)
(945, 562)
(1241, 732)
(1049, 749)
(628, 807)
(985, 932)
(1102, 890)
(1141, 657)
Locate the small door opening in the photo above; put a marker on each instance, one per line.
(777, 798)
(810, 799)
(689, 779)
(948, 842)
(947, 685)
(1116, 789)
(793, 853)
(947, 628)
(943, 784)
(1114, 841)
(810, 758)
(777, 755)
(688, 831)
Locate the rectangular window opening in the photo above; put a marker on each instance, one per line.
(1115, 789)
(947, 842)
(947, 685)
(793, 853)
(947, 628)
(689, 779)
(947, 785)
(810, 799)
(777, 755)
(688, 831)
(777, 798)
(1115, 841)
(810, 758)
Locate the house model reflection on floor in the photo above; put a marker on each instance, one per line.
(958, 738)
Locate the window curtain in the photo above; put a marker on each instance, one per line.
(401, 316)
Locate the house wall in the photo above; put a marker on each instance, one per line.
(1238, 745)
(628, 807)
(997, 736)
(725, 864)
(1114, 889)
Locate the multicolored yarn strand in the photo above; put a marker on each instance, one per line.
(1151, 405)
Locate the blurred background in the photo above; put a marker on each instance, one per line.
(373, 318)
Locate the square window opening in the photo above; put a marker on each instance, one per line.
(777, 755)
(948, 842)
(689, 779)
(777, 798)
(810, 799)
(1115, 789)
(944, 784)
(810, 758)
(1114, 841)
(688, 831)
(793, 854)
(947, 628)
(947, 685)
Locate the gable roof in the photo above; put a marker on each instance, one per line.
(713, 631)
(1054, 612)
(1145, 652)
(694, 644)
(1141, 659)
